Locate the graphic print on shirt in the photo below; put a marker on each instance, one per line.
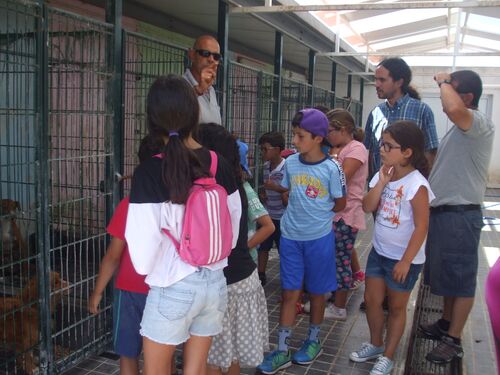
(313, 185)
(389, 209)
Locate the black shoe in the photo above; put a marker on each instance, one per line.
(445, 352)
(263, 278)
(432, 331)
(385, 305)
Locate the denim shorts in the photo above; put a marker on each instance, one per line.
(309, 263)
(380, 266)
(193, 306)
(452, 253)
(127, 314)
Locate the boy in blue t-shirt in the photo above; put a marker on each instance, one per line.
(316, 189)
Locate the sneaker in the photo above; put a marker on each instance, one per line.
(367, 352)
(275, 361)
(334, 312)
(383, 366)
(445, 351)
(309, 351)
(357, 280)
(432, 331)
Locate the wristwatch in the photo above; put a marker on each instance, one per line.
(448, 81)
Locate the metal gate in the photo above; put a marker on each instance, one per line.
(55, 152)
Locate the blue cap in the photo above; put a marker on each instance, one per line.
(243, 149)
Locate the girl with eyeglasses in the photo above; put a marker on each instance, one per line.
(400, 193)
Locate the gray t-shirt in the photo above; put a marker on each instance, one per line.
(209, 108)
(460, 171)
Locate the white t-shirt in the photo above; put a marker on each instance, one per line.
(394, 222)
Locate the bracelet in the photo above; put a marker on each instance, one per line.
(444, 81)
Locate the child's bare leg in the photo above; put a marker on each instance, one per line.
(157, 357)
(317, 308)
(289, 299)
(212, 370)
(234, 369)
(374, 296)
(196, 355)
(355, 266)
(262, 258)
(129, 366)
(396, 320)
(341, 298)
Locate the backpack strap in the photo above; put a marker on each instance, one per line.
(213, 163)
(174, 241)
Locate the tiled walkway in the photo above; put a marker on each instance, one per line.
(340, 338)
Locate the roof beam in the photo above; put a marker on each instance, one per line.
(482, 34)
(406, 29)
(366, 6)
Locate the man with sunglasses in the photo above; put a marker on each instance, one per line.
(458, 179)
(205, 58)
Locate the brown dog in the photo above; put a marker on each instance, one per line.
(14, 246)
(20, 319)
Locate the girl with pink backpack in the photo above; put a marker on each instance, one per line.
(187, 299)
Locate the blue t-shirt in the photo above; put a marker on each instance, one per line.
(312, 190)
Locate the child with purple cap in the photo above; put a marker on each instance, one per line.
(316, 190)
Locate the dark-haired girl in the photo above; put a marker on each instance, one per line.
(185, 304)
(401, 195)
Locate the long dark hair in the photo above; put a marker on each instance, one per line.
(399, 69)
(408, 135)
(216, 138)
(172, 114)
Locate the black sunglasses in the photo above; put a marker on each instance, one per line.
(205, 53)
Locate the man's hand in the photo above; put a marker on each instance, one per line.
(208, 76)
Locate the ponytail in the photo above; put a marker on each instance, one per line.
(172, 114)
(359, 134)
(412, 92)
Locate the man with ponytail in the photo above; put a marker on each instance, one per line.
(402, 102)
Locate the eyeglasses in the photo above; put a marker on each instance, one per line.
(387, 146)
(205, 53)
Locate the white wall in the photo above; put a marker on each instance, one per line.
(490, 104)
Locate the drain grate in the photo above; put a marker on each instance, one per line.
(428, 309)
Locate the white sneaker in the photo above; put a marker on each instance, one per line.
(334, 312)
(383, 366)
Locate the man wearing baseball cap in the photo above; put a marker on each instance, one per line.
(316, 189)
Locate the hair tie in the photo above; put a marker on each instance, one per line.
(173, 134)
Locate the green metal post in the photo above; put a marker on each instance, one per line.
(310, 77)
(278, 65)
(334, 83)
(43, 190)
(349, 86)
(258, 116)
(116, 98)
(222, 36)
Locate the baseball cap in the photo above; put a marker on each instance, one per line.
(315, 122)
(243, 149)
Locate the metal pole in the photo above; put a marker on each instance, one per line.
(310, 76)
(367, 6)
(42, 171)
(349, 86)
(278, 65)
(116, 98)
(222, 36)
(334, 83)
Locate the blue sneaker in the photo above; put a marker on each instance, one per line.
(275, 361)
(367, 352)
(309, 351)
(383, 366)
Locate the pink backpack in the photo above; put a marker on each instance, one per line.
(207, 232)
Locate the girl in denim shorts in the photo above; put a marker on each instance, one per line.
(400, 194)
(185, 303)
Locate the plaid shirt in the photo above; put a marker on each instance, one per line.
(406, 108)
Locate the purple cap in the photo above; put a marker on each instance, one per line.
(314, 121)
